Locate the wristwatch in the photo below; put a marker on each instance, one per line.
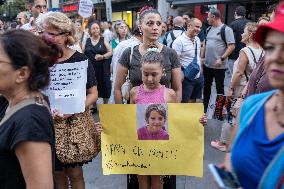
(222, 59)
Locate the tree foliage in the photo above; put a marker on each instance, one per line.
(9, 10)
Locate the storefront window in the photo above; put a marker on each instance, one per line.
(124, 15)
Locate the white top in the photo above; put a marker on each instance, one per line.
(168, 36)
(108, 35)
(258, 52)
(185, 48)
(27, 26)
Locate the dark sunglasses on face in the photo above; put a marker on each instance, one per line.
(52, 34)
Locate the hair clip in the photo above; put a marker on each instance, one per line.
(153, 49)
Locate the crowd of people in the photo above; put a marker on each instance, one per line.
(178, 61)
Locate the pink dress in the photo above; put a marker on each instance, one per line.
(153, 97)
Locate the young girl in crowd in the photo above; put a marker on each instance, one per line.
(151, 92)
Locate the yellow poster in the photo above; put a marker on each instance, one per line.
(157, 139)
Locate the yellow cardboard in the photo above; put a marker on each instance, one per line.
(123, 153)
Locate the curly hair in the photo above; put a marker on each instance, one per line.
(155, 107)
(58, 21)
(251, 27)
(152, 57)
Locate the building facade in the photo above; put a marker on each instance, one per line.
(255, 8)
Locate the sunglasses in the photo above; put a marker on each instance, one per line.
(52, 34)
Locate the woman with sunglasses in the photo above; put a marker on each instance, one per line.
(58, 29)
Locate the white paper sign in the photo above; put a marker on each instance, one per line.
(211, 106)
(85, 8)
(67, 89)
(67, 94)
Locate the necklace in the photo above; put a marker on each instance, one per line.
(95, 41)
(277, 111)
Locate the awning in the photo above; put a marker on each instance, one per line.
(187, 2)
(184, 2)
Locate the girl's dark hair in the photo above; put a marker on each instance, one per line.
(155, 107)
(25, 49)
(147, 10)
(153, 57)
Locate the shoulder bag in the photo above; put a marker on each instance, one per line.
(76, 139)
(126, 86)
(191, 71)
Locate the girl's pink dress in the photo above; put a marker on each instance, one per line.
(153, 97)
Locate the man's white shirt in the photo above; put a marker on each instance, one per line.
(185, 49)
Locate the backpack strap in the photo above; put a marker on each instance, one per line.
(261, 55)
(208, 29)
(223, 34)
(206, 33)
(130, 59)
(196, 48)
(254, 59)
(173, 37)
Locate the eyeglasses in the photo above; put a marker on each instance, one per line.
(52, 34)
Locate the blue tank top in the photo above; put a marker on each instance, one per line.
(254, 151)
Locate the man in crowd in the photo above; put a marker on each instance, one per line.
(22, 18)
(36, 7)
(189, 15)
(175, 32)
(238, 26)
(107, 34)
(185, 46)
(220, 43)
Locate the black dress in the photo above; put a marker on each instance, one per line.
(91, 81)
(31, 123)
(102, 68)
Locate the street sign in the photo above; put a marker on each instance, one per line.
(85, 8)
(108, 10)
